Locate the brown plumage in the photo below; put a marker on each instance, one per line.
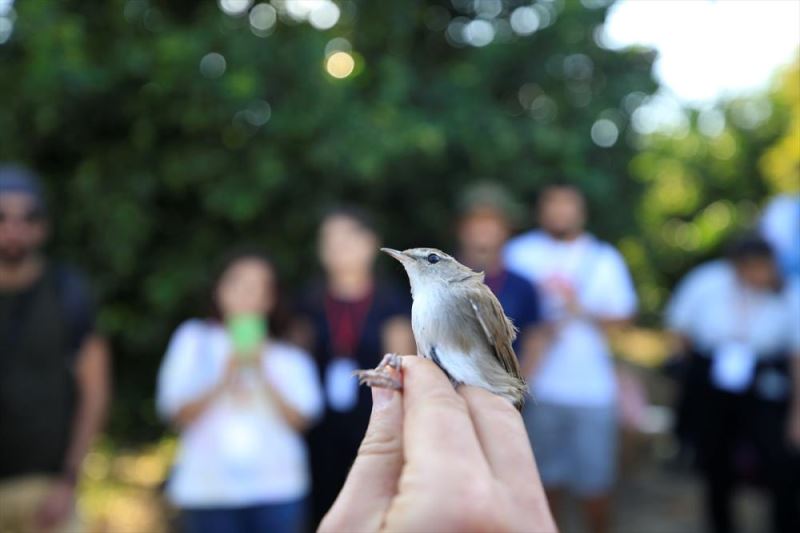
(459, 323)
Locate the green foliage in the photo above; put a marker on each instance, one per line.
(705, 183)
(155, 169)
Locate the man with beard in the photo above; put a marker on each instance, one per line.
(53, 368)
(586, 291)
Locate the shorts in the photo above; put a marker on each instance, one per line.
(575, 446)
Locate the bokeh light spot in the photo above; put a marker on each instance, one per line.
(262, 19)
(337, 44)
(524, 20)
(578, 67)
(455, 31)
(479, 33)
(711, 122)
(340, 64)
(604, 133)
(324, 16)
(234, 8)
(213, 65)
(488, 9)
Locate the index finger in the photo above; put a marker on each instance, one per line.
(502, 436)
(438, 428)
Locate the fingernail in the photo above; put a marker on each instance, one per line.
(381, 397)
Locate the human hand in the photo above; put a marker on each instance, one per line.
(57, 506)
(572, 303)
(439, 459)
(237, 363)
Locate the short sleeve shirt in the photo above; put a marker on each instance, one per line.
(240, 451)
(576, 368)
(42, 328)
(711, 308)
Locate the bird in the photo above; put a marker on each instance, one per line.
(459, 324)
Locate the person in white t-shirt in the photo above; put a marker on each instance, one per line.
(586, 289)
(242, 462)
(738, 320)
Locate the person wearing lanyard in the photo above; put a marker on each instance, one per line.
(739, 320)
(486, 216)
(586, 291)
(351, 319)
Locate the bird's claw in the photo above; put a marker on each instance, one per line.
(381, 375)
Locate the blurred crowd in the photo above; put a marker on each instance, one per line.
(260, 389)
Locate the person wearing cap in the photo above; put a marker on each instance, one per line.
(487, 216)
(54, 384)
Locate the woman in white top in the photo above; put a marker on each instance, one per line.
(242, 462)
(741, 323)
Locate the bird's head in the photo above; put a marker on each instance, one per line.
(429, 266)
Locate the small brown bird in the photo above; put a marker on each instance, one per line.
(458, 324)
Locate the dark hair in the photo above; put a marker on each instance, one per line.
(489, 195)
(559, 185)
(280, 316)
(749, 246)
(359, 215)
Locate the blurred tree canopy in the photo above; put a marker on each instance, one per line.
(168, 130)
(709, 179)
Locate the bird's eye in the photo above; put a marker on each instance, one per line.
(433, 258)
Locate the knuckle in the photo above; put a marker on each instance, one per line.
(491, 402)
(484, 509)
(379, 443)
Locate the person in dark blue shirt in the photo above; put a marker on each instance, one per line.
(486, 217)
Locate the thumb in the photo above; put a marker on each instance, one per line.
(372, 481)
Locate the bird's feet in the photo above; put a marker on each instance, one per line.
(381, 375)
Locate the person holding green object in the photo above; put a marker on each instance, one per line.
(248, 331)
(241, 399)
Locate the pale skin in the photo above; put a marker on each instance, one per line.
(431, 460)
(247, 286)
(21, 236)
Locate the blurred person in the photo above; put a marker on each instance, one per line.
(353, 320)
(54, 379)
(586, 290)
(241, 399)
(437, 458)
(738, 319)
(487, 215)
(780, 226)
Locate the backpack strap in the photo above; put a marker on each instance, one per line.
(76, 308)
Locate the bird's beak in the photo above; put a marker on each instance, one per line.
(397, 254)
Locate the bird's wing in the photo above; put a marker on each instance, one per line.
(499, 330)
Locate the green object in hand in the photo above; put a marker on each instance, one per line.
(247, 333)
